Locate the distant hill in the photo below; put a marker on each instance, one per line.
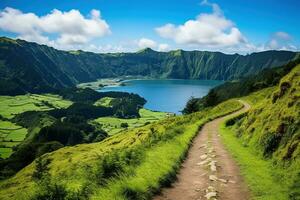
(30, 67)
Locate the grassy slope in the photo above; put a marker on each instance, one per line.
(10, 106)
(156, 151)
(112, 125)
(12, 134)
(267, 148)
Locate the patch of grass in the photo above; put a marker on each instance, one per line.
(10, 106)
(105, 101)
(113, 125)
(10, 136)
(5, 152)
(260, 174)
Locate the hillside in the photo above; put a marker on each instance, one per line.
(136, 163)
(113, 168)
(238, 88)
(266, 141)
(29, 67)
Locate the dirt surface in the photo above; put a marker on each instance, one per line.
(209, 171)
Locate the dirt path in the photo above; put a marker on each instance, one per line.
(209, 171)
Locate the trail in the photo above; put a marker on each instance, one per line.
(209, 171)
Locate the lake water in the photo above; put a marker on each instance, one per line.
(166, 95)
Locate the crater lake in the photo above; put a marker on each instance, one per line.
(168, 95)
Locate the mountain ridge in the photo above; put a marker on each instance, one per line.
(30, 67)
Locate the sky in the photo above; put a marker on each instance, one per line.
(229, 26)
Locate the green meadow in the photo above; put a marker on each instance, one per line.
(12, 105)
(131, 165)
(12, 134)
(113, 125)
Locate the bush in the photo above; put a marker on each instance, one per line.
(124, 125)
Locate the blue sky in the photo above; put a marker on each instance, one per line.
(220, 25)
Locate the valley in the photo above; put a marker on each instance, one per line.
(116, 139)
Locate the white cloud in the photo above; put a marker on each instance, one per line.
(68, 28)
(163, 47)
(280, 41)
(207, 30)
(146, 43)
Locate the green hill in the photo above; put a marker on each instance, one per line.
(113, 168)
(136, 163)
(266, 140)
(29, 67)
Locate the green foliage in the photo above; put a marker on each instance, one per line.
(244, 86)
(133, 164)
(268, 140)
(191, 106)
(112, 125)
(41, 169)
(124, 125)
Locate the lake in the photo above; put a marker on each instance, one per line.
(166, 95)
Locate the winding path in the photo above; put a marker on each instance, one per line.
(209, 171)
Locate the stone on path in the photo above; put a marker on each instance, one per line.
(222, 180)
(213, 177)
(204, 156)
(211, 195)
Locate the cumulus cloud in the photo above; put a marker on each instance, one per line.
(281, 41)
(207, 30)
(68, 28)
(163, 47)
(148, 43)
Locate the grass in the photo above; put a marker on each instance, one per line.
(105, 101)
(112, 125)
(10, 136)
(10, 106)
(265, 142)
(131, 165)
(259, 174)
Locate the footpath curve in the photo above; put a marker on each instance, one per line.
(209, 171)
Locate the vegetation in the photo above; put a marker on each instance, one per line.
(133, 164)
(265, 141)
(113, 125)
(245, 86)
(56, 126)
(29, 67)
(11, 106)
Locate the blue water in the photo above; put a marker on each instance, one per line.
(166, 95)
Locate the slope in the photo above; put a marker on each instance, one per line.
(29, 67)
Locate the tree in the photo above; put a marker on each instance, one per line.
(124, 125)
(191, 106)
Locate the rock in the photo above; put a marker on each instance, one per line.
(230, 181)
(198, 190)
(210, 150)
(213, 178)
(213, 168)
(211, 195)
(222, 180)
(204, 156)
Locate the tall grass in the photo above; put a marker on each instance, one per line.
(131, 165)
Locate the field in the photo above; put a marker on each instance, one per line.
(112, 125)
(105, 101)
(10, 106)
(131, 165)
(12, 134)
